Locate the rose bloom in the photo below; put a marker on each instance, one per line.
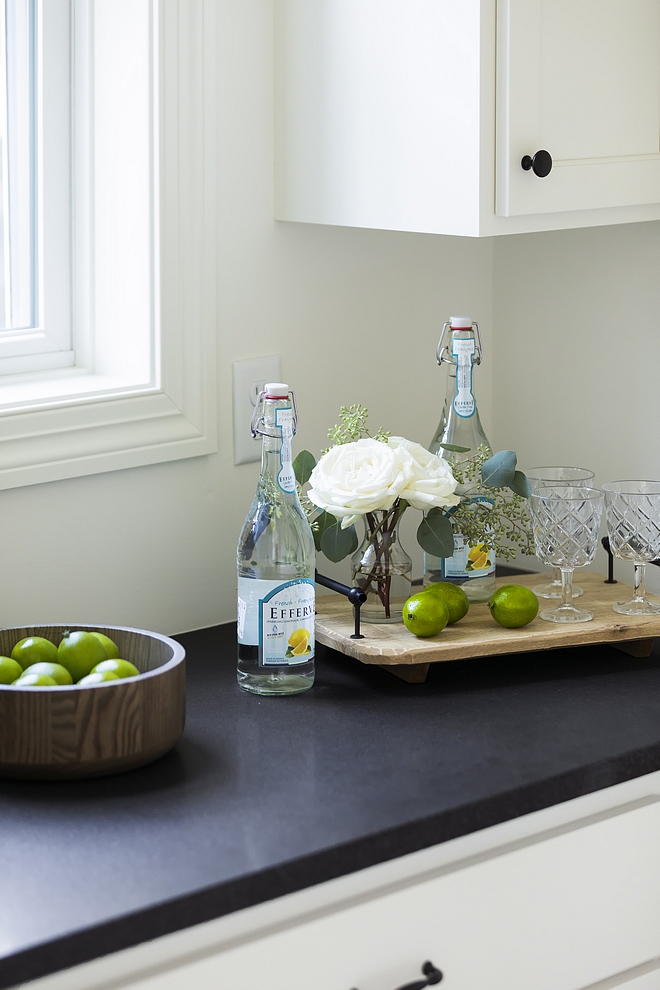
(432, 484)
(367, 475)
(359, 477)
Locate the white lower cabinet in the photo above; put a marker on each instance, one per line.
(562, 899)
(563, 912)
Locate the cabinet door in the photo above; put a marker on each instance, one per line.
(581, 80)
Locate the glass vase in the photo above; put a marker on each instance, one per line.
(382, 568)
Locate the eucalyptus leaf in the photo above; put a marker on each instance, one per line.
(521, 485)
(303, 466)
(454, 447)
(337, 543)
(500, 469)
(322, 522)
(435, 534)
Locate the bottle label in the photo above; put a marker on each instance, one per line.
(286, 624)
(286, 478)
(278, 617)
(468, 562)
(464, 401)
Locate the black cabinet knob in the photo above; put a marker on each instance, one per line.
(432, 975)
(540, 163)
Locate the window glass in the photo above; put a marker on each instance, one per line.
(18, 163)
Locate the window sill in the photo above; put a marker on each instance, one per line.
(82, 424)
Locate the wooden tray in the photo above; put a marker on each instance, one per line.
(478, 635)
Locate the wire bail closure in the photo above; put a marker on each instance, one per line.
(443, 351)
(258, 427)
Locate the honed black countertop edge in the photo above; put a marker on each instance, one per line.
(328, 864)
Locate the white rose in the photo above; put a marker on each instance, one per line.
(432, 482)
(354, 478)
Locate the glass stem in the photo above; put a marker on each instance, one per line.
(556, 575)
(638, 572)
(567, 587)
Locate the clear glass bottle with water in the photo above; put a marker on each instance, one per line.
(276, 561)
(460, 350)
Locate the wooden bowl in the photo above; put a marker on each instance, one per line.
(52, 733)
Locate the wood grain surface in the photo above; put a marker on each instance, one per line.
(74, 731)
(478, 635)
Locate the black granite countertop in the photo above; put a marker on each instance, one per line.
(264, 796)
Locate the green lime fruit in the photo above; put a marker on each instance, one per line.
(425, 615)
(121, 668)
(98, 677)
(55, 670)
(35, 680)
(513, 606)
(34, 649)
(454, 598)
(111, 647)
(10, 670)
(79, 652)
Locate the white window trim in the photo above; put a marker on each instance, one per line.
(71, 423)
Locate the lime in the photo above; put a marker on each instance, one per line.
(9, 670)
(425, 615)
(34, 649)
(120, 668)
(454, 598)
(98, 677)
(55, 670)
(513, 606)
(35, 680)
(111, 647)
(79, 652)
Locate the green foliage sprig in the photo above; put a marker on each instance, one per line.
(352, 426)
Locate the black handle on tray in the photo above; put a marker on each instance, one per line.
(356, 596)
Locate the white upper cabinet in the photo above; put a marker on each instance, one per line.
(417, 114)
(580, 79)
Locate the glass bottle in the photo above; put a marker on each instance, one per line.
(460, 349)
(276, 561)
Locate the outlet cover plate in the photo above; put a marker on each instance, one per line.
(249, 379)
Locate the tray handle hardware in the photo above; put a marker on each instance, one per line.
(356, 597)
(432, 975)
(610, 561)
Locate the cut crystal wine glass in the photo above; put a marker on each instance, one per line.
(565, 520)
(633, 526)
(552, 475)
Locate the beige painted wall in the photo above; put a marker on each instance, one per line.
(355, 315)
(577, 355)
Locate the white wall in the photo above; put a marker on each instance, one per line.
(355, 315)
(577, 354)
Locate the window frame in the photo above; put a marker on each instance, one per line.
(73, 422)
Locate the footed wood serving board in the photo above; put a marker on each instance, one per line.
(478, 635)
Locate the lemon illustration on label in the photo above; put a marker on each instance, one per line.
(478, 558)
(299, 643)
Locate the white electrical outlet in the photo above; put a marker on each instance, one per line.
(249, 379)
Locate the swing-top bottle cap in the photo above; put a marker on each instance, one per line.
(276, 390)
(460, 322)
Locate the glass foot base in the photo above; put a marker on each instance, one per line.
(553, 590)
(637, 606)
(566, 613)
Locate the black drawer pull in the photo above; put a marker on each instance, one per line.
(540, 163)
(432, 975)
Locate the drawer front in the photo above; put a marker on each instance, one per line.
(561, 913)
